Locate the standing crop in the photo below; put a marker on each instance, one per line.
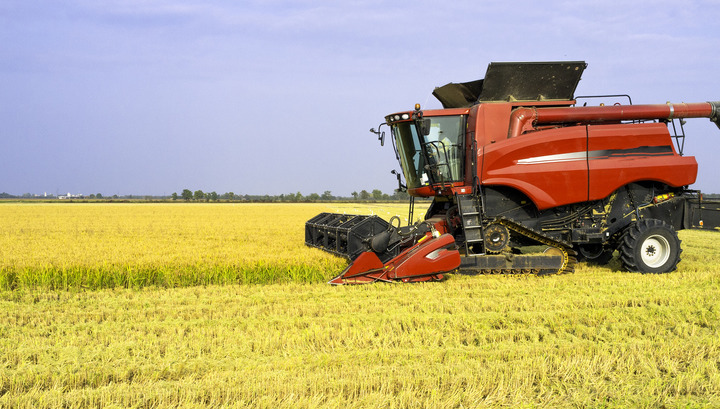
(135, 245)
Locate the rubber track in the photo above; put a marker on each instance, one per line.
(568, 254)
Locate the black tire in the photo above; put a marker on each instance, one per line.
(650, 246)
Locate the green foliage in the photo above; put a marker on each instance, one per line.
(402, 195)
(187, 195)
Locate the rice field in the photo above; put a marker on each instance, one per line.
(596, 338)
(61, 246)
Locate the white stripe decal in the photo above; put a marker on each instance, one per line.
(640, 151)
(562, 157)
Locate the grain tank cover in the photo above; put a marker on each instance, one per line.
(516, 81)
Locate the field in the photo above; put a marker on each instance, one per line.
(95, 246)
(182, 322)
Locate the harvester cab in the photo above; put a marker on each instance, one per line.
(430, 148)
(524, 180)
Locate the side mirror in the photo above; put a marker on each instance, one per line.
(401, 187)
(381, 136)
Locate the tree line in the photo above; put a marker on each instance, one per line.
(327, 196)
(200, 196)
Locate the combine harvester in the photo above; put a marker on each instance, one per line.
(525, 180)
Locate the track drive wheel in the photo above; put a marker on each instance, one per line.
(650, 246)
(497, 237)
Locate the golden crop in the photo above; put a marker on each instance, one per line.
(596, 338)
(179, 244)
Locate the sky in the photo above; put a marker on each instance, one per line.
(149, 97)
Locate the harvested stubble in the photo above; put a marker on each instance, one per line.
(596, 338)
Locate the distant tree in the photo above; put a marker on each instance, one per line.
(174, 196)
(199, 195)
(227, 196)
(99, 196)
(212, 196)
(401, 195)
(355, 195)
(92, 196)
(327, 195)
(364, 195)
(314, 196)
(377, 194)
(187, 195)
(298, 197)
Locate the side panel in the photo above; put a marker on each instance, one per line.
(620, 154)
(549, 166)
(493, 122)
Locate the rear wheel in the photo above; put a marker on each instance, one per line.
(650, 246)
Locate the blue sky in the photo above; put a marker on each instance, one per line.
(255, 97)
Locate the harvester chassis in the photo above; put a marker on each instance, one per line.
(512, 163)
(494, 243)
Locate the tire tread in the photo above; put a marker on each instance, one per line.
(634, 235)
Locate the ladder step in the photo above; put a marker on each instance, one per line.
(473, 236)
(469, 209)
(473, 223)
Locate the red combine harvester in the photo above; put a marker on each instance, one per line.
(524, 180)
